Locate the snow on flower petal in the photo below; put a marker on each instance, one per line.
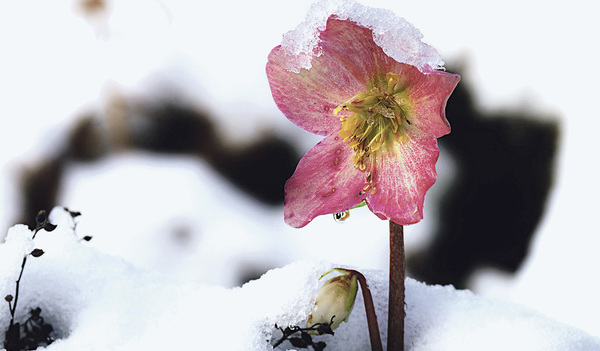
(309, 97)
(381, 118)
(398, 38)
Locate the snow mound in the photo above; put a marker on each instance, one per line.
(96, 301)
(398, 38)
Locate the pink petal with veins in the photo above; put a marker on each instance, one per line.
(428, 94)
(325, 182)
(403, 174)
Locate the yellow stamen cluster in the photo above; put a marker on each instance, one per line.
(378, 118)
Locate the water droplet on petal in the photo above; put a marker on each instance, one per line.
(341, 217)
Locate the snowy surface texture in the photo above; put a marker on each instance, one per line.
(397, 37)
(99, 302)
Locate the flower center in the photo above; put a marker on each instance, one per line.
(378, 119)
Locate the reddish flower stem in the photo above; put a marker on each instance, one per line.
(370, 311)
(395, 341)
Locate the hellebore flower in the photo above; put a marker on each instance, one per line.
(380, 118)
(335, 300)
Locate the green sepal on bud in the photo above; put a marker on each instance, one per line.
(335, 299)
(361, 204)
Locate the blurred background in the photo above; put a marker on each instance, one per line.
(154, 119)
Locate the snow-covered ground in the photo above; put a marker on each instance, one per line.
(58, 62)
(96, 301)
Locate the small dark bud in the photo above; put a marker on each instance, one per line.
(37, 252)
(8, 298)
(297, 342)
(49, 226)
(41, 217)
(87, 238)
(306, 337)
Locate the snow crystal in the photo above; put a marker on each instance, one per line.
(398, 38)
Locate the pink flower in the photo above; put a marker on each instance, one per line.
(380, 118)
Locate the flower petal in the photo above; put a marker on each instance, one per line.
(348, 59)
(352, 46)
(325, 182)
(428, 93)
(304, 97)
(402, 176)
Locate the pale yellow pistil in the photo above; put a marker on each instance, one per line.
(378, 118)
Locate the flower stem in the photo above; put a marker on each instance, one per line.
(371, 315)
(395, 341)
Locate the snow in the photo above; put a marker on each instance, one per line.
(18, 243)
(436, 316)
(97, 301)
(398, 38)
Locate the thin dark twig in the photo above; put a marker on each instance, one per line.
(16, 297)
(41, 222)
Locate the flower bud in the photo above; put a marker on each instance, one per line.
(335, 300)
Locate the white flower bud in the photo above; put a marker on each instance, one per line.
(335, 300)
